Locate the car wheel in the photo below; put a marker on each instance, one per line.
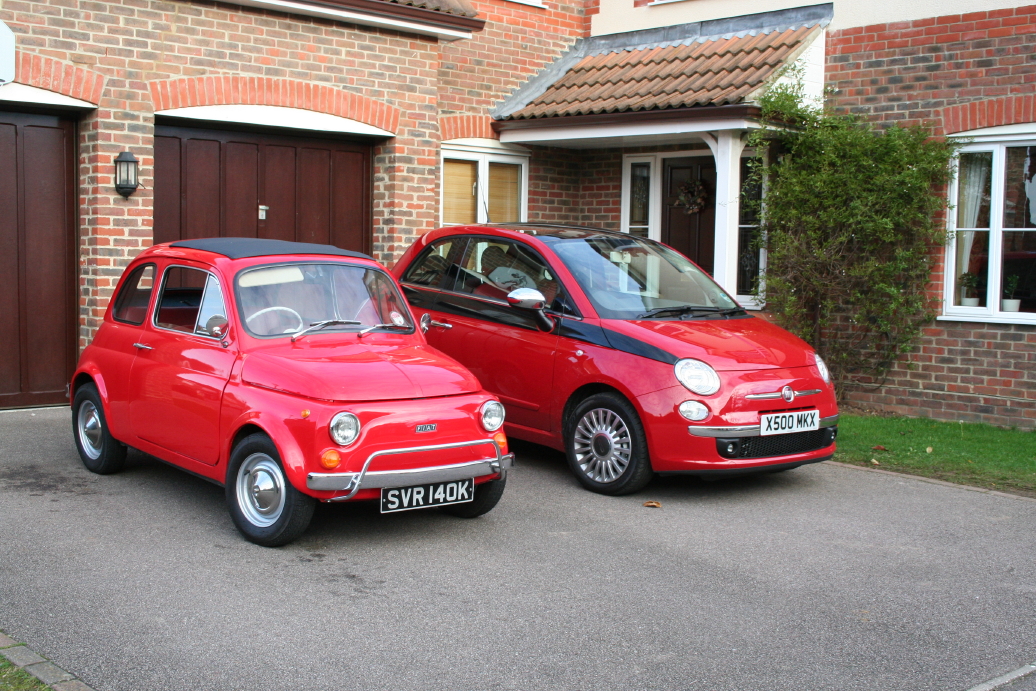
(487, 495)
(265, 507)
(607, 449)
(100, 451)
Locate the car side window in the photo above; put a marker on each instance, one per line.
(180, 304)
(212, 317)
(132, 301)
(492, 268)
(429, 269)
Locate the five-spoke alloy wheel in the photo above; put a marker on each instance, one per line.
(607, 450)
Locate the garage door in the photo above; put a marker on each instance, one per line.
(37, 259)
(213, 183)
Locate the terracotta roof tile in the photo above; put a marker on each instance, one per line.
(461, 8)
(712, 72)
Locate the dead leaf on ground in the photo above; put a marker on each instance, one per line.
(653, 504)
(875, 461)
(928, 450)
(879, 447)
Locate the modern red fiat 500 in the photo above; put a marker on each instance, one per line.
(619, 351)
(290, 373)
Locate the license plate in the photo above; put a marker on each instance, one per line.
(785, 423)
(426, 496)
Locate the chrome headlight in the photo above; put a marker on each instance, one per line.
(697, 376)
(492, 413)
(344, 428)
(824, 373)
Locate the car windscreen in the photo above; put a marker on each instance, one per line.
(630, 278)
(283, 299)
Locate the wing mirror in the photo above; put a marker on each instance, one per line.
(217, 326)
(427, 322)
(531, 299)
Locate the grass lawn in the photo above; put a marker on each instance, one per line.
(965, 453)
(14, 679)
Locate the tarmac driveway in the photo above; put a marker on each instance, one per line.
(825, 577)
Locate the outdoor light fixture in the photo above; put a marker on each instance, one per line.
(126, 174)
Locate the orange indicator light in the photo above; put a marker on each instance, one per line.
(305, 413)
(501, 439)
(330, 459)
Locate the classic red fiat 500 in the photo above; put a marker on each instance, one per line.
(290, 373)
(621, 352)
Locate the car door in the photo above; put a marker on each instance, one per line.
(181, 368)
(501, 345)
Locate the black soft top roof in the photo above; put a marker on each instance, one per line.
(240, 248)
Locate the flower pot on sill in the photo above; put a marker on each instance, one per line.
(1010, 305)
(969, 302)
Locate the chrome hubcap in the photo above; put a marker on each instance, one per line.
(260, 490)
(88, 422)
(603, 445)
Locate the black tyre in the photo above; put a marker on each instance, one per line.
(100, 451)
(487, 495)
(265, 507)
(606, 447)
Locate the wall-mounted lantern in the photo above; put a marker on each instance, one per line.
(126, 174)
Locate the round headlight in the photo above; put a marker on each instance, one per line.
(344, 428)
(697, 376)
(693, 410)
(492, 415)
(824, 373)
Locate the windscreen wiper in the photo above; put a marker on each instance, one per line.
(319, 325)
(685, 309)
(382, 326)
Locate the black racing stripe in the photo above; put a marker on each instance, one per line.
(581, 331)
(631, 345)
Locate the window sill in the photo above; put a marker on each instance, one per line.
(533, 3)
(988, 318)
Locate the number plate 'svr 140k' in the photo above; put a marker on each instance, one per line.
(426, 496)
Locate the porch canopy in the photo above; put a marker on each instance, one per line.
(688, 83)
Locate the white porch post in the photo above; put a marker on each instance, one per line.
(726, 148)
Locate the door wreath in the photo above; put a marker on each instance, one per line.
(693, 196)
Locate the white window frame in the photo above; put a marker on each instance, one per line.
(656, 160)
(483, 155)
(995, 140)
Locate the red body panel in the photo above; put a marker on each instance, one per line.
(751, 356)
(186, 398)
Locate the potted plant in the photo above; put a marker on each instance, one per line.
(968, 283)
(1009, 303)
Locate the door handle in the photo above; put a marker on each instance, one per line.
(444, 325)
(142, 346)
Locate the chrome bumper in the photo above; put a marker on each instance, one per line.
(744, 430)
(354, 482)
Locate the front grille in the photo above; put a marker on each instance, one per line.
(777, 444)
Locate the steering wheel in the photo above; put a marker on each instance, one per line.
(277, 308)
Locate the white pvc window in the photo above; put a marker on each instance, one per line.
(483, 187)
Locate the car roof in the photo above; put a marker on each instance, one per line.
(240, 248)
(553, 230)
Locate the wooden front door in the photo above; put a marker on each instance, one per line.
(220, 183)
(693, 235)
(38, 272)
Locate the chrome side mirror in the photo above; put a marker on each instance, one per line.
(217, 326)
(526, 299)
(531, 299)
(426, 322)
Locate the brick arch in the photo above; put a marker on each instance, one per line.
(59, 77)
(462, 126)
(993, 112)
(267, 91)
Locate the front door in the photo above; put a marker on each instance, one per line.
(687, 226)
(180, 370)
(37, 259)
(221, 183)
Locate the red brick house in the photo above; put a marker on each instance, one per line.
(367, 122)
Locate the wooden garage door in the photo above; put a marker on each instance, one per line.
(38, 320)
(212, 183)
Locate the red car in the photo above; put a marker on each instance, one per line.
(620, 352)
(290, 373)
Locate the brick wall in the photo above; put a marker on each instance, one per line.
(954, 73)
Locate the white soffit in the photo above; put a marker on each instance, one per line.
(277, 116)
(631, 134)
(1025, 130)
(23, 93)
(486, 146)
(361, 18)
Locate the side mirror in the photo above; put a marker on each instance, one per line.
(526, 299)
(217, 326)
(426, 322)
(531, 299)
